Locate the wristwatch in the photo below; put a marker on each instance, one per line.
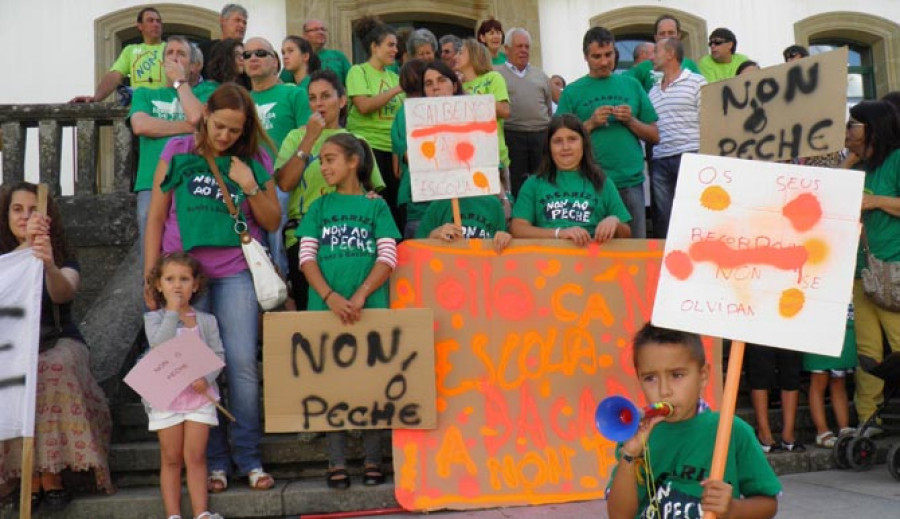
(253, 191)
(302, 155)
(178, 82)
(630, 459)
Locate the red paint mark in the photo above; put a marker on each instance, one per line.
(593, 249)
(804, 212)
(579, 267)
(511, 265)
(513, 299)
(462, 418)
(606, 337)
(543, 311)
(465, 151)
(468, 486)
(719, 253)
(451, 294)
(485, 126)
(679, 264)
(461, 263)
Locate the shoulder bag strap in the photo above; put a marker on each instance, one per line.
(239, 227)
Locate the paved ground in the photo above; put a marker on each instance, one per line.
(828, 494)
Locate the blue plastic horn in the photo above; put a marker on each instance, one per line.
(618, 419)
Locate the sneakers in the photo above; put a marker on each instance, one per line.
(794, 446)
(768, 447)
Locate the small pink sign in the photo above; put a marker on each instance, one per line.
(170, 368)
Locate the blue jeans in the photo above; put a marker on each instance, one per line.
(633, 197)
(143, 209)
(663, 179)
(233, 302)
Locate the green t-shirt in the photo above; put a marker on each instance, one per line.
(142, 64)
(161, 103)
(616, 148)
(312, 184)
(205, 89)
(280, 109)
(680, 458)
(500, 59)
(847, 360)
(202, 215)
(414, 210)
(335, 61)
(882, 230)
(492, 83)
(571, 202)
(481, 216)
(348, 227)
(644, 74)
(714, 71)
(365, 80)
(287, 77)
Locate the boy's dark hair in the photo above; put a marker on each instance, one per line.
(650, 334)
(599, 35)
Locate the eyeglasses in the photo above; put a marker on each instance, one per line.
(259, 53)
(316, 29)
(717, 42)
(853, 124)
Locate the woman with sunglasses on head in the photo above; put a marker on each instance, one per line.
(299, 168)
(375, 98)
(187, 213)
(873, 135)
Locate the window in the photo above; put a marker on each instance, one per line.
(625, 46)
(860, 72)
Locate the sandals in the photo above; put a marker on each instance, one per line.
(373, 476)
(217, 482)
(826, 440)
(338, 479)
(258, 479)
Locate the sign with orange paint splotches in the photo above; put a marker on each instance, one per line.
(761, 252)
(526, 345)
(452, 147)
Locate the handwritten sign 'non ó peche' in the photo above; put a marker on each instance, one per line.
(321, 375)
(453, 147)
(778, 113)
(761, 252)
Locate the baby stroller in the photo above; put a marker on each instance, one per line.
(855, 450)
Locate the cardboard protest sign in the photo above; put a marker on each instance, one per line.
(21, 280)
(320, 375)
(761, 252)
(527, 343)
(787, 111)
(453, 147)
(168, 369)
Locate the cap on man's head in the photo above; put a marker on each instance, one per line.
(795, 50)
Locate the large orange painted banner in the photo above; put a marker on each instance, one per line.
(526, 344)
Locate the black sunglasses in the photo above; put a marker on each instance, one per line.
(259, 53)
(717, 42)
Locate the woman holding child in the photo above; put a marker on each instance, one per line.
(187, 213)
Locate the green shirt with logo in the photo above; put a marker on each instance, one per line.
(281, 108)
(142, 64)
(365, 80)
(348, 228)
(160, 103)
(481, 217)
(570, 202)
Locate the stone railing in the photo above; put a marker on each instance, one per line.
(100, 222)
(87, 119)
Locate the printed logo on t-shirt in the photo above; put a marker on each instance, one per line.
(673, 504)
(168, 110)
(389, 111)
(481, 229)
(205, 186)
(266, 115)
(145, 68)
(566, 206)
(348, 235)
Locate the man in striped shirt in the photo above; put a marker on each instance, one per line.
(676, 100)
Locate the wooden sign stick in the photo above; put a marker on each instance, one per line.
(457, 219)
(28, 442)
(220, 407)
(726, 415)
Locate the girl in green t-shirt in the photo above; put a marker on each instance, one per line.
(299, 61)
(375, 98)
(570, 198)
(348, 250)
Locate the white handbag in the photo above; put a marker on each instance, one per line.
(271, 291)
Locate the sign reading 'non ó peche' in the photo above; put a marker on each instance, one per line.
(778, 113)
(453, 147)
(321, 375)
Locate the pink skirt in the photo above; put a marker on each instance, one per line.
(72, 423)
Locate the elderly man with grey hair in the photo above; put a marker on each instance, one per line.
(316, 34)
(233, 23)
(422, 44)
(158, 114)
(530, 107)
(643, 52)
(450, 46)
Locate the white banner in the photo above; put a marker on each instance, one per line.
(761, 252)
(21, 281)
